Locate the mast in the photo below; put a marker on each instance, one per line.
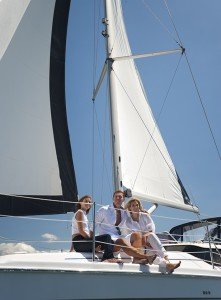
(141, 161)
(116, 158)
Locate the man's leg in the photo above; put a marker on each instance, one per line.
(106, 244)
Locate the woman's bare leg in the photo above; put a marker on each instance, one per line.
(136, 240)
(130, 250)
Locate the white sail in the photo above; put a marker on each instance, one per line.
(142, 161)
(11, 12)
(28, 158)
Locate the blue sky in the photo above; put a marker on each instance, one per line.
(181, 122)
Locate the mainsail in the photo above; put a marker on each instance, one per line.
(35, 153)
(141, 160)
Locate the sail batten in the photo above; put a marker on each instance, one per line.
(35, 152)
(145, 166)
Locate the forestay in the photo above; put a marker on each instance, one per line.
(35, 153)
(142, 162)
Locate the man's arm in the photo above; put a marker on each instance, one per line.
(99, 218)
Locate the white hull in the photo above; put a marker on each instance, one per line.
(71, 276)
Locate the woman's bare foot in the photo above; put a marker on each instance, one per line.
(171, 267)
(144, 261)
(140, 261)
(151, 259)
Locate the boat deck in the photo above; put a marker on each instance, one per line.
(73, 261)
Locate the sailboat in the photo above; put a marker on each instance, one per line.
(37, 172)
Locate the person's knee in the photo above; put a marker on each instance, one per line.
(107, 237)
(119, 241)
(136, 236)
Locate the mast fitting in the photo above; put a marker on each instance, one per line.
(183, 49)
(128, 193)
(105, 21)
(104, 33)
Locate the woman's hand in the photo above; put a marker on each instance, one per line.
(145, 240)
(98, 248)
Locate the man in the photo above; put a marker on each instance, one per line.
(108, 221)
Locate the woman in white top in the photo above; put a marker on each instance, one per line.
(82, 236)
(139, 220)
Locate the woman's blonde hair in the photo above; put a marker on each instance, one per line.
(128, 205)
(78, 205)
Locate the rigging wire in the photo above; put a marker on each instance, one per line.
(179, 42)
(95, 55)
(100, 205)
(160, 21)
(195, 84)
(150, 134)
(116, 34)
(203, 108)
(96, 42)
(103, 152)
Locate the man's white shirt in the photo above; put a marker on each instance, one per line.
(106, 219)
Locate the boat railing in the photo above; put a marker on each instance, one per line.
(165, 237)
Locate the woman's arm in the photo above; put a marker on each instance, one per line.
(80, 217)
(149, 223)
